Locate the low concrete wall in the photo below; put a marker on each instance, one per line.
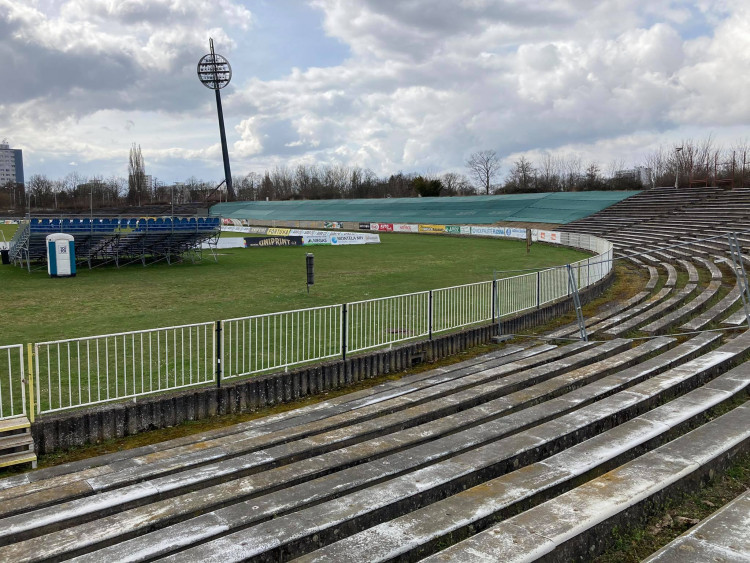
(65, 430)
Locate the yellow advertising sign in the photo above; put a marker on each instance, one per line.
(431, 228)
(277, 232)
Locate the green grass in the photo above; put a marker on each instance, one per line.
(247, 282)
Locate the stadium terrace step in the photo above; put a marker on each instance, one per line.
(668, 321)
(613, 309)
(720, 537)
(416, 534)
(52, 479)
(244, 454)
(293, 534)
(737, 318)
(700, 321)
(619, 318)
(275, 422)
(131, 523)
(691, 270)
(571, 525)
(664, 307)
(671, 274)
(710, 266)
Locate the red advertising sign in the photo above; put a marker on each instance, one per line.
(381, 227)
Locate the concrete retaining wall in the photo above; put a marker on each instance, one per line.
(62, 431)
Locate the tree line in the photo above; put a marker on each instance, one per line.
(696, 163)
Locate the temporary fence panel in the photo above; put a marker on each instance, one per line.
(86, 371)
(461, 305)
(277, 340)
(12, 382)
(381, 322)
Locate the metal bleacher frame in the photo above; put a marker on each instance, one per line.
(122, 241)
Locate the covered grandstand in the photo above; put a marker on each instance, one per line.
(118, 240)
(556, 207)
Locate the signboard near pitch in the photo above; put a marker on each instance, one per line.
(251, 242)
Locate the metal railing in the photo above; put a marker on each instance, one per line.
(12, 382)
(278, 340)
(86, 371)
(461, 305)
(381, 322)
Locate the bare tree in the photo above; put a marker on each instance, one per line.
(483, 167)
(521, 176)
(457, 184)
(136, 176)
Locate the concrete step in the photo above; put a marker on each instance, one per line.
(720, 537)
(296, 533)
(422, 532)
(661, 309)
(574, 522)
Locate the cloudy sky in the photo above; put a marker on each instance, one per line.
(392, 85)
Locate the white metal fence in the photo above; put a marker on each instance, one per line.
(381, 322)
(278, 340)
(461, 305)
(12, 382)
(85, 371)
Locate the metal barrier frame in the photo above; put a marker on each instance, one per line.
(327, 317)
(17, 381)
(110, 344)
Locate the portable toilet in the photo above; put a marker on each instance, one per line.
(61, 255)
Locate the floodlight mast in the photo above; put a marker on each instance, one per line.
(214, 72)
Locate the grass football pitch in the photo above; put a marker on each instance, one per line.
(35, 308)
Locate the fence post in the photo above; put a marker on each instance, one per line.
(494, 298)
(429, 314)
(30, 362)
(538, 290)
(218, 354)
(344, 310)
(36, 378)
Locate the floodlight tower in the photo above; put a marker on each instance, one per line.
(677, 151)
(215, 73)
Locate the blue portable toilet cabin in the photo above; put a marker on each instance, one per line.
(61, 255)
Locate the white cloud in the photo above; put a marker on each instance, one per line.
(426, 82)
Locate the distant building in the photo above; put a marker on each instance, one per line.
(639, 173)
(149, 183)
(11, 165)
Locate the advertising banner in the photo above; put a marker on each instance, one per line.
(338, 239)
(405, 228)
(364, 226)
(453, 229)
(278, 232)
(514, 232)
(488, 231)
(388, 227)
(253, 230)
(548, 236)
(251, 242)
(312, 240)
(431, 228)
(333, 225)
